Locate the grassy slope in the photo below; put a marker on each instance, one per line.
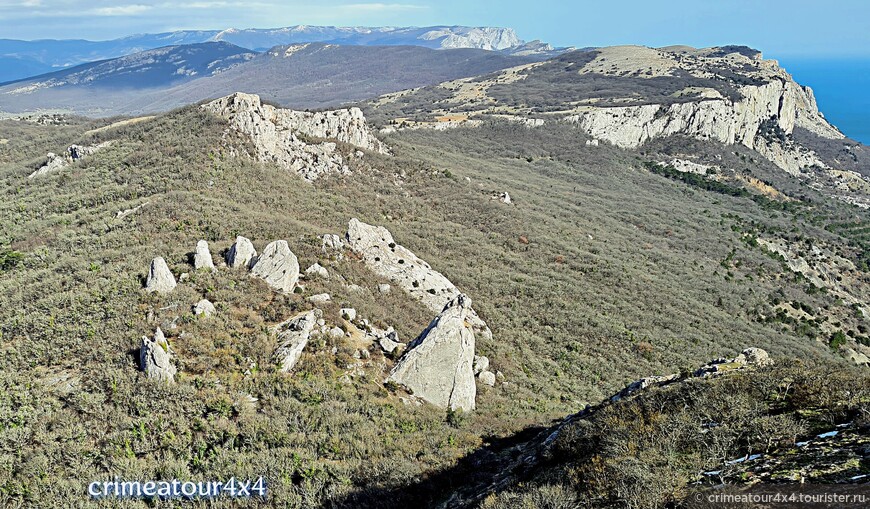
(645, 294)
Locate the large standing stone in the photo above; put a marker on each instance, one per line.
(438, 365)
(293, 335)
(160, 278)
(202, 257)
(155, 358)
(278, 266)
(242, 254)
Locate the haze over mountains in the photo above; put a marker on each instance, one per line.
(29, 58)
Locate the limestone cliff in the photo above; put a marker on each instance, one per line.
(281, 135)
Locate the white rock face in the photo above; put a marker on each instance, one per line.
(160, 278)
(317, 271)
(276, 133)
(204, 308)
(293, 335)
(278, 266)
(202, 257)
(437, 366)
(719, 119)
(155, 358)
(389, 260)
(242, 254)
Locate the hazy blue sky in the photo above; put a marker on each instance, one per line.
(795, 27)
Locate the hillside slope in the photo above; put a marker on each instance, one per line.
(599, 270)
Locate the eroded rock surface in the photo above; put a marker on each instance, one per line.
(383, 256)
(278, 266)
(284, 136)
(438, 365)
(160, 278)
(293, 335)
(155, 358)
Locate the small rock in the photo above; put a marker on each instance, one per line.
(336, 332)
(348, 314)
(331, 242)
(320, 298)
(160, 279)
(355, 288)
(241, 254)
(487, 378)
(204, 308)
(202, 257)
(384, 288)
(757, 356)
(481, 363)
(155, 358)
(317, 270)
(365, 354)
(499, 376)
(389, 344)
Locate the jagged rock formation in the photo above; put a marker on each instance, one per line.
(155, 358)
(202, 257)
(438, 365)
(73, 153)
(204, 308)
(242, 254)
(293, 335)
(160, 278)
(387, 259)
(280, 134)
(278, 266)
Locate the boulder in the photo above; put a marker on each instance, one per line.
(389, 343)
(383, 256)
(438, 365)
(481, 363)
(202, 257)
(155, 358)
(317, 271)
(331, 242)
(242, 254)
(204, 308)
(160, 278)
(348, 313)
(487, 378)
(278, 266)
(320, 298)
(293, 335)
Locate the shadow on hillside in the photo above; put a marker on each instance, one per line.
(472, 474)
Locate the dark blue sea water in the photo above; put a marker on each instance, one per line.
(842, 89)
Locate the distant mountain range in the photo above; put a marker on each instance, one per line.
(311, 75)
(22, 59)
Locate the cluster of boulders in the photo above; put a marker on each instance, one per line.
(440, 366)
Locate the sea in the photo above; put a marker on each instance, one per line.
(842, 89)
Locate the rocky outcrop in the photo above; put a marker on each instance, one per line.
(756, 120)
(391, 261)
(202, 257)
(242, 254)
(282, 136)
(73, 153)
(155, 358)
(293, 335)
(277, 266)
(160, 278)
(438, 365)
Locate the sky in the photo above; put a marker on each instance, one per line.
(808, 28)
